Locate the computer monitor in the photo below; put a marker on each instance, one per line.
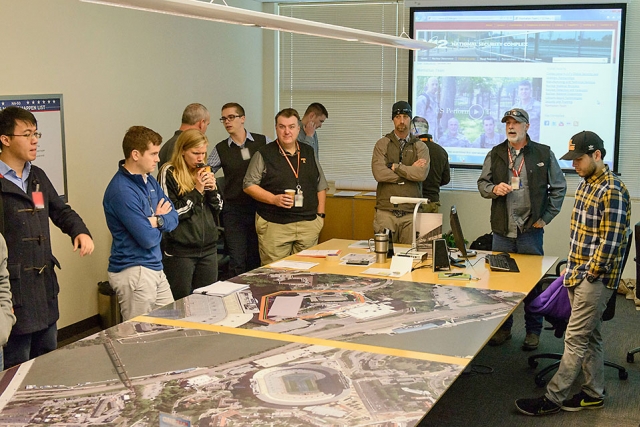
(458, 237)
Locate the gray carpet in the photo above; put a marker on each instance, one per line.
(488, 399)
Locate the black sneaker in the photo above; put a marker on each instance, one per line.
(582, 401)
(537, 406)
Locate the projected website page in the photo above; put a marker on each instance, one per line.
(561, 66)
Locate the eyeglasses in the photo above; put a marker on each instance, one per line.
(229, 118)
(29, 135)
(516, 113)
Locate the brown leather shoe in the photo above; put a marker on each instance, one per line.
(500, 337)
(531, 342)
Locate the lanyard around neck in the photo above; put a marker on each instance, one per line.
(284, 153)
(512, 163)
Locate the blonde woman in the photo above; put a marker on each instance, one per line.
(189, 252)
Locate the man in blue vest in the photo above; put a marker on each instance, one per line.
(239, 212)
(526, 187)
(286, 180)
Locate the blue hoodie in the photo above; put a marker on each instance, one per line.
(128, 203)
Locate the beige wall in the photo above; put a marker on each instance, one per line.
(116, 68)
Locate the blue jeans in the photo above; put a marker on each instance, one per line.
(529, 243)
(21, 348)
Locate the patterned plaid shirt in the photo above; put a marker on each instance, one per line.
(599, 227)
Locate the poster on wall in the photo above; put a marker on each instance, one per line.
(48, 111)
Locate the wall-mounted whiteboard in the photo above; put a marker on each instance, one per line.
(51, 151)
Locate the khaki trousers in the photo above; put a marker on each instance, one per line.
(277, 241)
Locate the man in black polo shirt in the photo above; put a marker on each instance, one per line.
(239, 211)
(285, 223)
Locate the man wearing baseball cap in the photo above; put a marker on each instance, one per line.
(400, 163)
(599, 225)
(526, 187)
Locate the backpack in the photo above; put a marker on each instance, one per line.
(483, 243)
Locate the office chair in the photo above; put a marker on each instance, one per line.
(608, 314)
(637, 260)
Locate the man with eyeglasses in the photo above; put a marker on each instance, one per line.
(239, 211)
(28, 201)
(400, 163)
(289, 186)
(313, 119)
(526, 187)
(194, 116)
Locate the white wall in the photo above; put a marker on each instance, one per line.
(117, 68)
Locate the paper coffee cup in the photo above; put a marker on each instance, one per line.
(291, 193)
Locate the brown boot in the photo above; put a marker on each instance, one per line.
(500, 337)
(531, 342)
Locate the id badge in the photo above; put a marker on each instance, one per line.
(515, 183)
(246, 155)
(38, 199)
(298, 200)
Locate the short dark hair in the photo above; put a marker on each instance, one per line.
(525, 83)
(235, 105)
(602, 150)
(317, 108)
(10, 115)
(485, 118)
(193, 113)
(286, 113)
(138, 138)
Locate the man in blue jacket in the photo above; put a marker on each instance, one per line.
(138, 212)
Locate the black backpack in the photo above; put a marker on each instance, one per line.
(483, 243)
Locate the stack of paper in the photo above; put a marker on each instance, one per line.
(220, 289)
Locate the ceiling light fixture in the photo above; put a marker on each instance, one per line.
(234, 15)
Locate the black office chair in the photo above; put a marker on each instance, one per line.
(637, 260)
(608, 314)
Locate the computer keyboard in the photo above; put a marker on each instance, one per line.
(499, 262)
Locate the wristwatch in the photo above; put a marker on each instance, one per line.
(591, 278)
(321, 215)
(160, 221)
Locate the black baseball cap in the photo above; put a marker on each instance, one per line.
(517, 113)
(401, 107)
(585, 142)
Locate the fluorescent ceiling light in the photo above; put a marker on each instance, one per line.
(234, 15)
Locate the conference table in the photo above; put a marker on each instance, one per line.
(325, 344)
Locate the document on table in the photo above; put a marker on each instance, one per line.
(346, 193)
(220, 289)
(318, 253)
(296, 265)
(399, 267)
